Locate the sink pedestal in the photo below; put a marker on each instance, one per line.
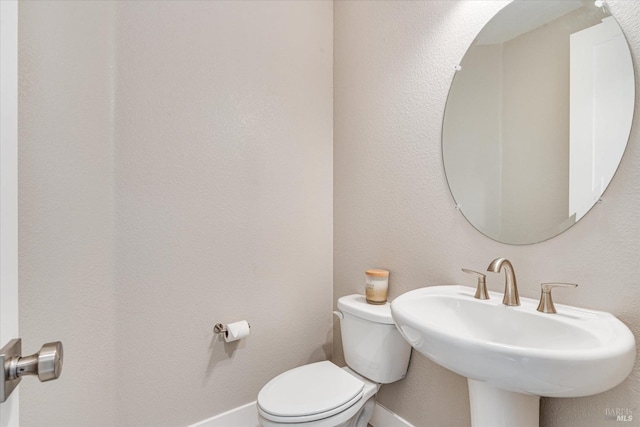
(494, 407)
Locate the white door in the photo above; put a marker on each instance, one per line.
(602, 94)
(8, 190)
(47, 363)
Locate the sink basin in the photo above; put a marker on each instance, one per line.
(575, 352)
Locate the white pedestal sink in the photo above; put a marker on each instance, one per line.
(513, 355)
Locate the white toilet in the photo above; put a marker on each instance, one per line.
(324, 395)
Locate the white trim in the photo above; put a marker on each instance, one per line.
(9, 190)
(247, 416)
(242, 416)
(382, 417)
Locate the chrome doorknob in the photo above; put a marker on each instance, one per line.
(46, 364)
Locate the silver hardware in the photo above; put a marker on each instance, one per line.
(8, 352)
(481, 290)
(510, 286)
(338, 314)
(546, 303)
(46, 364)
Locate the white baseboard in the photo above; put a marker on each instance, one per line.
(242, 416)
(247, 416)
(382, 417)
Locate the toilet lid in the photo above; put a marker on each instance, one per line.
(308, 393)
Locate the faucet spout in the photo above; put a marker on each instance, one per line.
(510, 286)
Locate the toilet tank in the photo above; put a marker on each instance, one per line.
(372, 345)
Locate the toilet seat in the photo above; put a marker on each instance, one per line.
(309, 393)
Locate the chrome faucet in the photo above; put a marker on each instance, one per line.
(510, 285)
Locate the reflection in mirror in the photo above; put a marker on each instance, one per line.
(538, 118)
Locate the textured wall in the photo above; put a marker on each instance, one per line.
(66, 217)
(393, 63)
(175, 171)
(223, 199)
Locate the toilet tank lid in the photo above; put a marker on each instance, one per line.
(357, 305)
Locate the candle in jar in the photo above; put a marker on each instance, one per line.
(377, 286)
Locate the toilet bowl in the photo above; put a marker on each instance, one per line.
(317, 395)
(324, 395)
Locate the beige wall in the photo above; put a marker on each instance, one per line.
(535, 133)
(473, 131)
(66, 209)
(175, 172)
(536, 128)
(393, 65)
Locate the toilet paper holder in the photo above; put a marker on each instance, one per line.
(221, 328)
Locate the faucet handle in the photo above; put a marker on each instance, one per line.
(481, 290)
(546, 303)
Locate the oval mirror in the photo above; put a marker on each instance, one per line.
(537, 119)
